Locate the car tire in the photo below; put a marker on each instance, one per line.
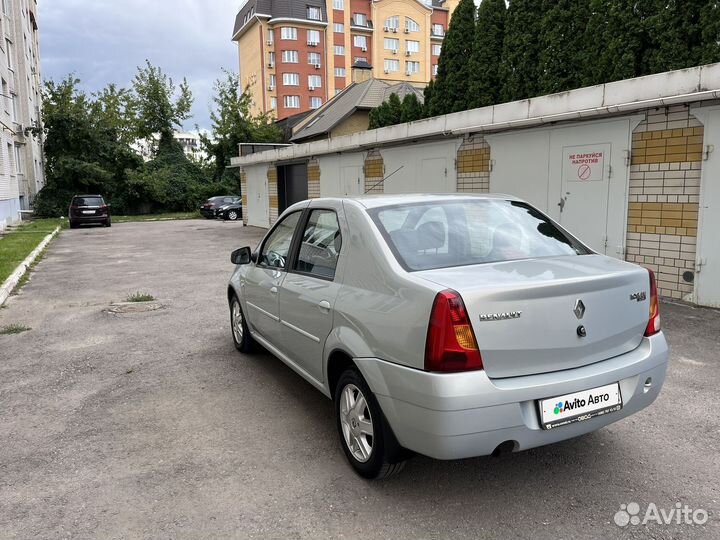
(73, 225)
(108, 223)
(357, 412)
(242, 339)
(232, 215)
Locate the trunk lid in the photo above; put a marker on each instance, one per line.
(544, 336)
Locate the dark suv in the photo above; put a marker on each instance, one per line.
(89, 209)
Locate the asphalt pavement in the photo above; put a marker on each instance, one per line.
(151, 424)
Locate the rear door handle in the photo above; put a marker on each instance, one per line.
(273, 290)
(324, 306)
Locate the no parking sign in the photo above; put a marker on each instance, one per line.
(584, 164)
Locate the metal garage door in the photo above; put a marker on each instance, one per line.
(258, 212)
(421, 168)
(292, 185)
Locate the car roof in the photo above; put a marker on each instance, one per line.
(376, 201)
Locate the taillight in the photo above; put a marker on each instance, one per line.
(451, 344)
(653, 326)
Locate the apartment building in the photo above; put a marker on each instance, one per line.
(21, 154)
(295, 55)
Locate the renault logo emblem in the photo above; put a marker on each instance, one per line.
(579, 309)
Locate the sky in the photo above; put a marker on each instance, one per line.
(103, 41)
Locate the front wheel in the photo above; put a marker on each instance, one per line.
(108, 223)
(244, 342)
(362, 427)
(232, 215)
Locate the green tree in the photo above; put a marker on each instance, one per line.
(427, 101)
(83, 153)
(232, 124)
(394, 110)
(710, 24)
(674, 33)
(562, 45)
(114, 109)
(412, 109)
(451, 91)
(161, 105)
(614, 40)
(521, 50)
(487, 50)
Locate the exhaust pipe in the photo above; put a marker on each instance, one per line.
(506, 447)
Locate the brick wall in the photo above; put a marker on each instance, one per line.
(473, 166)
(243, 191)
(664, 197)
(374, 173)
(313, 170)
(273, 193)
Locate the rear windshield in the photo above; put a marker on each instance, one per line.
(459, 233)
(88, 201)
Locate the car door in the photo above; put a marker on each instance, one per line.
(308, 293)
(263, 279)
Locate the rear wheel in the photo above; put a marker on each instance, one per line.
(232, 215)
(364, 434)
(244, 342)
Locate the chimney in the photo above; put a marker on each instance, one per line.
(361, 72)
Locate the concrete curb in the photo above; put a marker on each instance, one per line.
(10, 283)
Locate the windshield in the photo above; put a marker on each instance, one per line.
(88, 201)
(459, 233)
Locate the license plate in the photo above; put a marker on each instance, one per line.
(88, 211)
(579, 406)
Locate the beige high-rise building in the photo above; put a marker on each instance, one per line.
(295, 55)
(21, 153)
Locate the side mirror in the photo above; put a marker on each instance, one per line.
(241, 256)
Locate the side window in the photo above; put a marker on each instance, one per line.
(321, 243)
(276, 248)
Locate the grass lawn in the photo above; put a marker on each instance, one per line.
(16, 245)
(157, 217)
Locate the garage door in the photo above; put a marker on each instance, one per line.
(421, 168)
(258, 211)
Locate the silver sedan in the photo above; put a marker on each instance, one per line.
(449, 325)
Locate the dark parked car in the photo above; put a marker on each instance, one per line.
(89, 209)
(209, 208)
(232, 211)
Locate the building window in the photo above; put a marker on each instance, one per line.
(339, 27)
(273, 81)
(19, 159)
(9, 52)
(314, 81)
(360, 41)
(339, 72)
(361, 59)
(292, 102)
(392, 44)
(436, 49)
(392, 65)
(288, 32)
(314, 59)
(412, 46)
(339, 50)
(339, 4)
(360, 19)
(438, 30)
(271, 59)
(411, 25)
(313, 37)
(271, 36)
(290, 57)
(392, 23)
(273, 103)
(412, 67)
(315, 102)
(314, 13)
(435, 70)
(291, 79)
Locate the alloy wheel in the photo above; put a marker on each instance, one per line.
(356, 422)
(237, 321)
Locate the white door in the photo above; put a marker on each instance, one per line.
(707, 276)
(583, 199)
(421, 168)
(257, 196)
(351, 179)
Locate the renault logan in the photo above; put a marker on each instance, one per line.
(449, 325)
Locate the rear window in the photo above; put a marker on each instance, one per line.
(459, 233)
(88, 201)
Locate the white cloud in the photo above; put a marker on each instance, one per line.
(103, 41)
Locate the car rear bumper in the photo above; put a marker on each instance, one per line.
(461, 415)
(208, 213)
(89, 219)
